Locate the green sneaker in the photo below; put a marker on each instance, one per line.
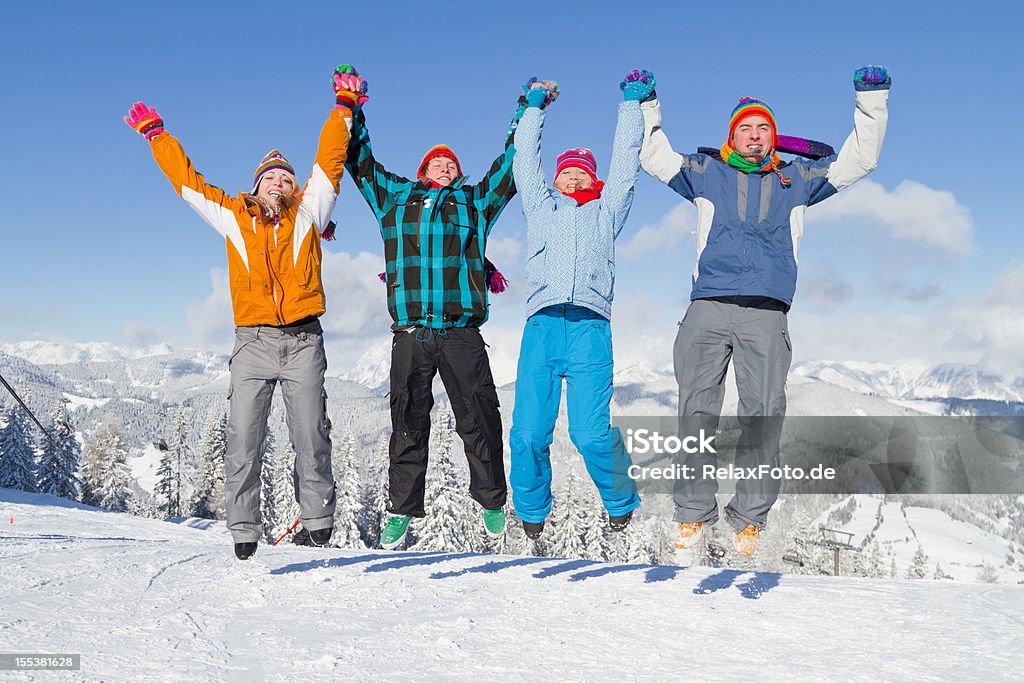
(394, 531)
(494, 522)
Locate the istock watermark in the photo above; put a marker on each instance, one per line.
(835, 455)
(643, 441)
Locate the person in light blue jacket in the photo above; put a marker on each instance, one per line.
(570, 277)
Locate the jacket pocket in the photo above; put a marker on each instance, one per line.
(535, 268)
(601, 277)
(243, 338)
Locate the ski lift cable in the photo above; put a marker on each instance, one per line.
(26, 408)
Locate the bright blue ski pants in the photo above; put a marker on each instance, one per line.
(575, 344)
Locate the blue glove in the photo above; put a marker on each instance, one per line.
(638, 85)
(871, 78)
(541, 96)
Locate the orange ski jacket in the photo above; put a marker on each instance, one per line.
(274, 269)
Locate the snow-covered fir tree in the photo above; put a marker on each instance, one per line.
(17, 453)
(566, 519)
(58, 465)
(286, 507)
(208, 499)
(595, 540)
(639, 544)
(918, 568)
(172, 484)
(513, 541)
(115, 486)
(444, 527)
(375, 495)
(987, 574)
(268, 480)
(90, 472)
(348, 507)
(874, 563)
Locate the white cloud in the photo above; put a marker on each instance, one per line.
(211, 321)
(504, 251)
(912, 212)
(356, 298)
(140, 335)
(661, 237)
(987, 330)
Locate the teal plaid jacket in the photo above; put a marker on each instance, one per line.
(434, 238)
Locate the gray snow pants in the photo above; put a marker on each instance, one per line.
(754, 333)
(262, 357)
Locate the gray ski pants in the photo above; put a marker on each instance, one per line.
(262, 357)
(756, 338)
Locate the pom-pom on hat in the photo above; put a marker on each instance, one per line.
(749, 106)
(274, 160)
(433, 153)
(580, 157)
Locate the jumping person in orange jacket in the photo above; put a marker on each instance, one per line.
(273, 244)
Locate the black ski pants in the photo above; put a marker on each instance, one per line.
(460, 356)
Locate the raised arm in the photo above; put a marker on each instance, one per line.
(377, 185)
(210, 202)
(526, 164)
(321, 190)
(629, 134)
(684, 174)
(497, 187)
(859, 154)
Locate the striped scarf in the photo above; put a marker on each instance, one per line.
(770, 162)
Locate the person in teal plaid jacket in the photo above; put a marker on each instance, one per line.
(435, 231)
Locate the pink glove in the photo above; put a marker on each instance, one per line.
(349, 87)
(145, 120)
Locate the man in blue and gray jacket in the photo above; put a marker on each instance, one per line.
(570, 274)
(750, 218)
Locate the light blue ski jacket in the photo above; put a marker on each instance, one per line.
(570, 255)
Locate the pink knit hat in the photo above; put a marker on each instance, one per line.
(580, 157)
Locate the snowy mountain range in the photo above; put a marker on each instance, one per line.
(143, 391)
(909, 382)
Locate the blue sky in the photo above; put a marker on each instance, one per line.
(921, 265)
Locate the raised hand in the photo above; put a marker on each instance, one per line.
(145, 120)
(638, 85)
(540, 93)
(871, 77)
(349, 87)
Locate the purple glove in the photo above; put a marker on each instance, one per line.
(871, 78)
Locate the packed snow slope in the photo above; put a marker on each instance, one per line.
(145, 600)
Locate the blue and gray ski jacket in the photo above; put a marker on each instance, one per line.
(570, 256)
(748, 226)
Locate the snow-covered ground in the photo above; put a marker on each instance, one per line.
(144, 600)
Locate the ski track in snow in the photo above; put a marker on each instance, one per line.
(144, 600)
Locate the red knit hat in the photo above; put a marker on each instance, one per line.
(433, 153)
(579, 157)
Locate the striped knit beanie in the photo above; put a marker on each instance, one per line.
(433, 153)
(748, 106)
(580, 157)
(274, 161)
